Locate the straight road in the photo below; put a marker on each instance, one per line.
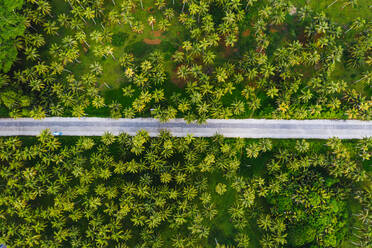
(244, 128)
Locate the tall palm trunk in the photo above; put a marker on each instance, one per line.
(332, 3)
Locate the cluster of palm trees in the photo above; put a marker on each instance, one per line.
(123, 191)
(287, 79)
(307, 192)
(272, 81)
(45, 85)
(87, 195)
(362, 230)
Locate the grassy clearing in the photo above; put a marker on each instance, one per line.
(337, 12)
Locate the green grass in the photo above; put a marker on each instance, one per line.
(336, 12)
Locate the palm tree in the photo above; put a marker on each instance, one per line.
(267, 241)
(221, 188)
(254, 103)
(109, 50)
(115, 110)
(160, 4)
(98, 102)
(353, 3)
(221, 74)
(51, 28)
(31, 53)
(96, 68)
(163, 25)
(81, 37)
(183, 71)
(236, 211)
(38, 40)
(209, 57)
(64, 20)
(169, 13)
(178, 57)
(107, 138)
(113, 17)
(44, 7)
(357, 24)
(37, 113)
(194, 8)
(242, 240)
(36, 84)
(96, 36)
(151, 20)
(78, 111)
(90, 14)
(179, 242)
(76, 24)
(238, 107)
(265, 222)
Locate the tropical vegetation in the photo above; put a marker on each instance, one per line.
(193, 59)
(123, 191)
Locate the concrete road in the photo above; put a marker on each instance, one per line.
(244, 128)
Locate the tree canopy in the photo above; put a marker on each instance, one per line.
(123, 191)
(12, 25)
(191, 59)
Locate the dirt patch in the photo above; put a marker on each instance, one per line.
(152, 42)
(180, 83)
(246, 33)
(150, 10)
(157, 33)
(228, 51)
(273, 30)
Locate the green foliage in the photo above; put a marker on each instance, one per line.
(307, 194)
(119, 38)
(159, 192)
(226, 60)
(11, 26)
(301, 235)
(75, 192)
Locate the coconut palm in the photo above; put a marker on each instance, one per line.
(51, 28)
(151, 20)
(31, 53)
(44, 7)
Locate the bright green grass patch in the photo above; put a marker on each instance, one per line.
(338, 13)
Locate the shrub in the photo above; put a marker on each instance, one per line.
(118, 39)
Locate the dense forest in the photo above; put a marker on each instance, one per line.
(193, 59)
(123, 191)
(197, 60)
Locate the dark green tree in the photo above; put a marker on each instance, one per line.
(11, 26)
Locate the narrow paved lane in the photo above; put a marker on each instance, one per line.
(244, 128)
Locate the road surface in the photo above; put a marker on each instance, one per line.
(244, 128)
